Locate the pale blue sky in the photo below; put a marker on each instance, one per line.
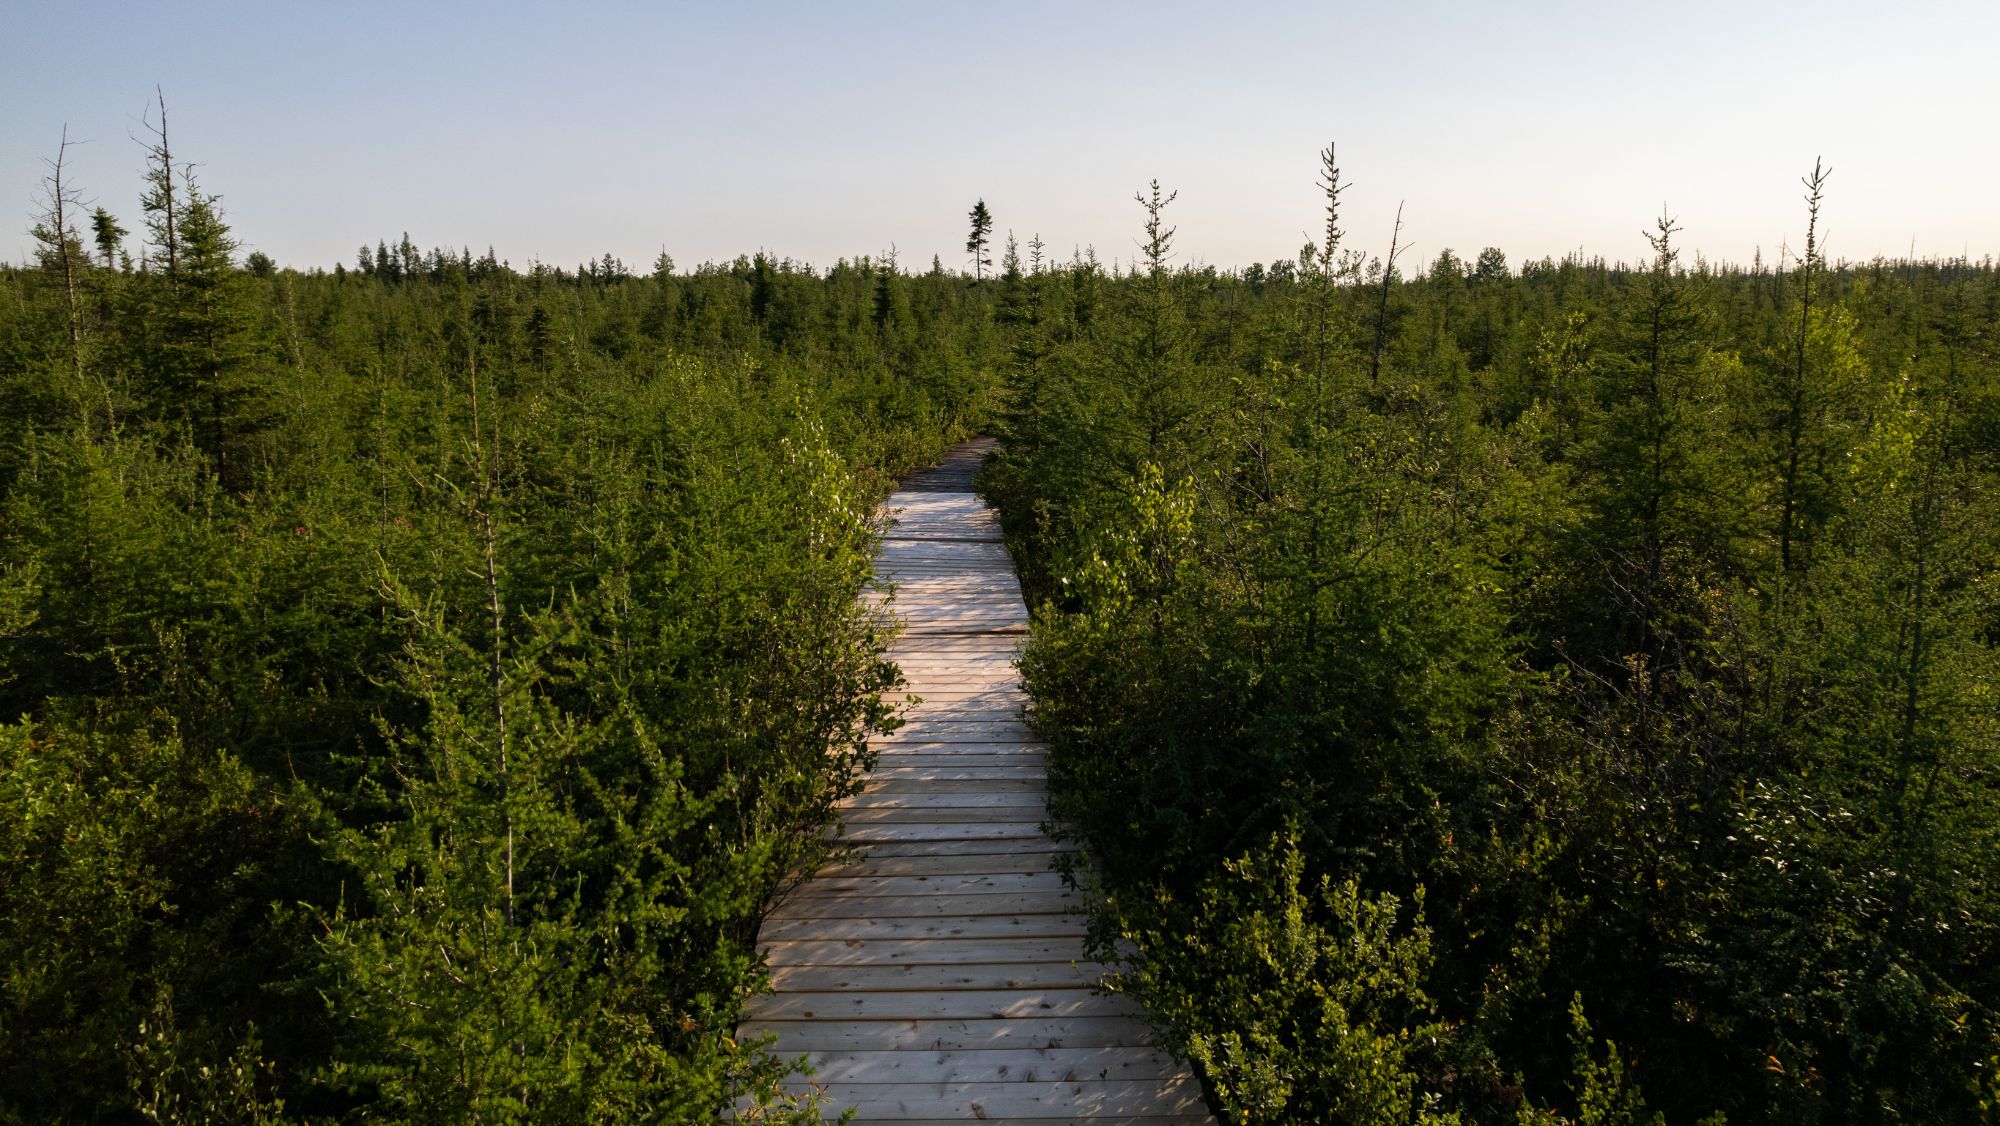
(827, 130)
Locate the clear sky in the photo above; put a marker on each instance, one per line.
(827, 130)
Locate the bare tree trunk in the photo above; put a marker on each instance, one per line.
(163, 152)
(61, 246)
(1382, 306)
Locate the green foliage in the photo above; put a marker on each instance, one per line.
(1299, 1001)
(1638, 623)
(425, 675)
(126, 868)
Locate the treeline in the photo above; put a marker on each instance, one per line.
(418, 681)
(1554, 694)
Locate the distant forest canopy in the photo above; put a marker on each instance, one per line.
(1563, 693)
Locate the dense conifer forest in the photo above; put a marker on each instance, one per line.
(1554, 691)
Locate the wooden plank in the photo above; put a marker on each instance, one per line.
(1013, 758)
(957, 768)
(935, 797)
(951, 1035)
(974, 846)
(891, 761)
(928, 884)
(996, 685)
(891, 1102)
(1031, 813)
(997, 581)
(936, 747)
(895, 567)
(923, 831)
(942, 927)
(909, 978)
(932, 596)
(932, 715)
(966, 864)
(972, 648)
(926, 906)
(917, 591)
(998, 725)
(943, 951)
(955, 1004)
(921, 662)
(999, 623)
(959, 717)
(940, 555)
(892, 782)
(861, 821)
(993, 1065)
(922, 730)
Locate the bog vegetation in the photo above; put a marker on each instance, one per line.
(1553, 693)
(421, 674)
(1565, 693)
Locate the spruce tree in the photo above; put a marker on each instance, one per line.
(108, 236)
(977, 242)
(201, 350)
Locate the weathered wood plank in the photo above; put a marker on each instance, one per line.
(1009, 904)
(952, 1035)
(921, 831)
(974, 646)
(889, 1102)
(860, 821)
(993, 1066)
(938, 951)
(928, 884)
(863, 819)
(975, 846)
(892, 782)
(948, 926)
(921, 730)
(983, 796)
(926, 684)
(936, 769)
(954, 1004)
(907, 978)
(969, 864)
(929, 747)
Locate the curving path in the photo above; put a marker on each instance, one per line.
(935, 973)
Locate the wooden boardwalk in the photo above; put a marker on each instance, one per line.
(935, 974)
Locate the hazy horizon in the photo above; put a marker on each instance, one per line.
(820, 133)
